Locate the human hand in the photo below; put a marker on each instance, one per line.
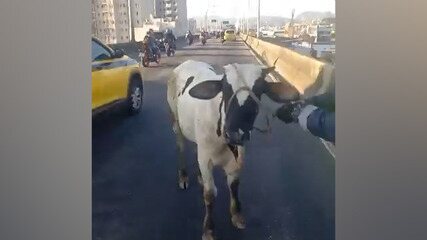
(288, 113)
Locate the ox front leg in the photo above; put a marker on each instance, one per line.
(182, 171)
(232, 170)
(209, 194)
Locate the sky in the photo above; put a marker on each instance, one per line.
(236, 8)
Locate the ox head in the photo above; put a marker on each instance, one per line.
(242, 82)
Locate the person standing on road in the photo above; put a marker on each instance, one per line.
(315, 115)
(170, 38)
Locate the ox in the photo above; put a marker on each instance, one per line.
(217, 112)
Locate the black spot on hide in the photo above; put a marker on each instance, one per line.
(187, 83)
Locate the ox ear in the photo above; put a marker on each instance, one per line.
(280, 92)
(206, 90)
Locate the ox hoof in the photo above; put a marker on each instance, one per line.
(238, 221)
(183, 180)
(208, 235)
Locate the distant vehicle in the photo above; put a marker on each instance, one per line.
(203, 37)
(279, 34)
(160, 37)
(116, 80)
(229, 35)
(145, 56)
(323, 46)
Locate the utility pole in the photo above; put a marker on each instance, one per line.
(94, 20)
(206, 20)
(130, 20)
(258, 23)
(206, 17)
(247, 17)
(291, 24)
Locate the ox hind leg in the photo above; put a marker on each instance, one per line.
(209, 192)
(232, 170)
(180, 141)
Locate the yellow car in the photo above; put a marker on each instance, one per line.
(116, 80)
(229, 35)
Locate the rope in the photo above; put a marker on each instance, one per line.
(257, 101)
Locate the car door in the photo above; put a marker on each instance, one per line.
(109, 78)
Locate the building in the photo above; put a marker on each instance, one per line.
(110, 20)
(103, 21)
(167, 14)
(120, 21)
(122, 18)
(192, 25)
(130, 19)
(181, 17)
(166, 9)
(147, 9)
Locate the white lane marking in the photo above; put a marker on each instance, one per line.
(329, 147)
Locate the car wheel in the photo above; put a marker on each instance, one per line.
(135, 96)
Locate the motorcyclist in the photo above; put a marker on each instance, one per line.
(189, 36)
(170, 38)
(204, 36)
(222, 34)
(151, 42)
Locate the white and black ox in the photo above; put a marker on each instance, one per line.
(217, 112)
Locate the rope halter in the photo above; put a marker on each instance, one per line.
(255, 98)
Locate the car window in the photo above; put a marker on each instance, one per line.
(230, 32)
(99, 53)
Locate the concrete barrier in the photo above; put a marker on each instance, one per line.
(309, 76)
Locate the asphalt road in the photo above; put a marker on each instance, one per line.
(287, 185)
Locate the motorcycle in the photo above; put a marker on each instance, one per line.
(161, 44)
(189, 39)
(170, 48)
(203, 40)
(146, 57)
